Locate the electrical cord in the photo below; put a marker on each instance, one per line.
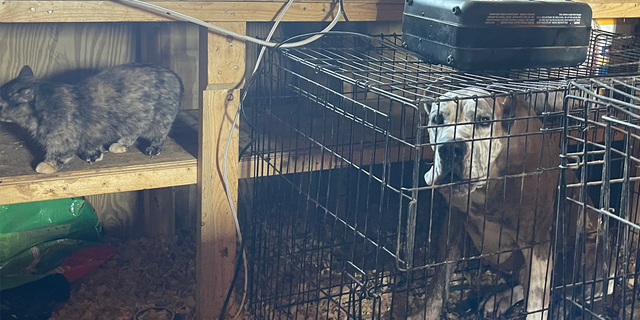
(344, 14)
(267, 43)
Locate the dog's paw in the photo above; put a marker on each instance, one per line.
(44, 167)
(152, 151)
(498, 304)
(117, 148)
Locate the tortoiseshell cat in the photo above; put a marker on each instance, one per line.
(111, 109)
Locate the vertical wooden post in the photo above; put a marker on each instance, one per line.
(225, 60)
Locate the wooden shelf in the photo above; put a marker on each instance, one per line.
(214, 11)
(175, 166)
(218, 11)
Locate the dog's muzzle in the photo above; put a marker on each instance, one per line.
(452, 154)
(450, 168)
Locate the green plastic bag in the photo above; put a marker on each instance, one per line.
(37, 262)
(36, 237)
(24, 225)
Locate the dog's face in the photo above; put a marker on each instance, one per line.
(463, 135)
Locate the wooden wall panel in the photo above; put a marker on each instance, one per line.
(186, 202)
(52, 49)
(174, 46)
(118, 213)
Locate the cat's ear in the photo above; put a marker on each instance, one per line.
(25, 72)
(24, 95)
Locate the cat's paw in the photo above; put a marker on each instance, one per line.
(44, 167)
(91, 158)
(152, 151)
(117, 148)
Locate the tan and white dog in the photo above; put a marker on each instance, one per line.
(496, 166)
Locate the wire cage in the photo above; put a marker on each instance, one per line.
(362, 157)
(600, 143)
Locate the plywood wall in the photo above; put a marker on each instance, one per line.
(175, 46)
(53, 49)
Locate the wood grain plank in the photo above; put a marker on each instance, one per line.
(608, 1)
(186, 207)
(615, 10)
(89, 182)
(174, 46)
(117, 213)
(217, 234)
(163, 2)
(226, 56)
(159, 211)
(109, 11)
(52, 49)
(366, 10)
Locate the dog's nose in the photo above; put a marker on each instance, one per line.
(452, 151)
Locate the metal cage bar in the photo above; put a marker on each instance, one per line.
(344, 224)
(600, 140)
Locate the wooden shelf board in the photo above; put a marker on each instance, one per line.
(110, 11)
(317, 10)
(175, 166)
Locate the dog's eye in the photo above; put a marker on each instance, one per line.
(484, 121)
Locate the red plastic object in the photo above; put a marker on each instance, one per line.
(84, 260)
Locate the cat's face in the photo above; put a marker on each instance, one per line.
(16, 96)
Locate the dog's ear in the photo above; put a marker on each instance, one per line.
(426, 103)
(25, 72)
(509, 106)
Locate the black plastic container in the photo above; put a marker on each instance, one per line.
(497, 35)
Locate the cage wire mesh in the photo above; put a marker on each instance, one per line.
(600, 143)
(343, 223)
